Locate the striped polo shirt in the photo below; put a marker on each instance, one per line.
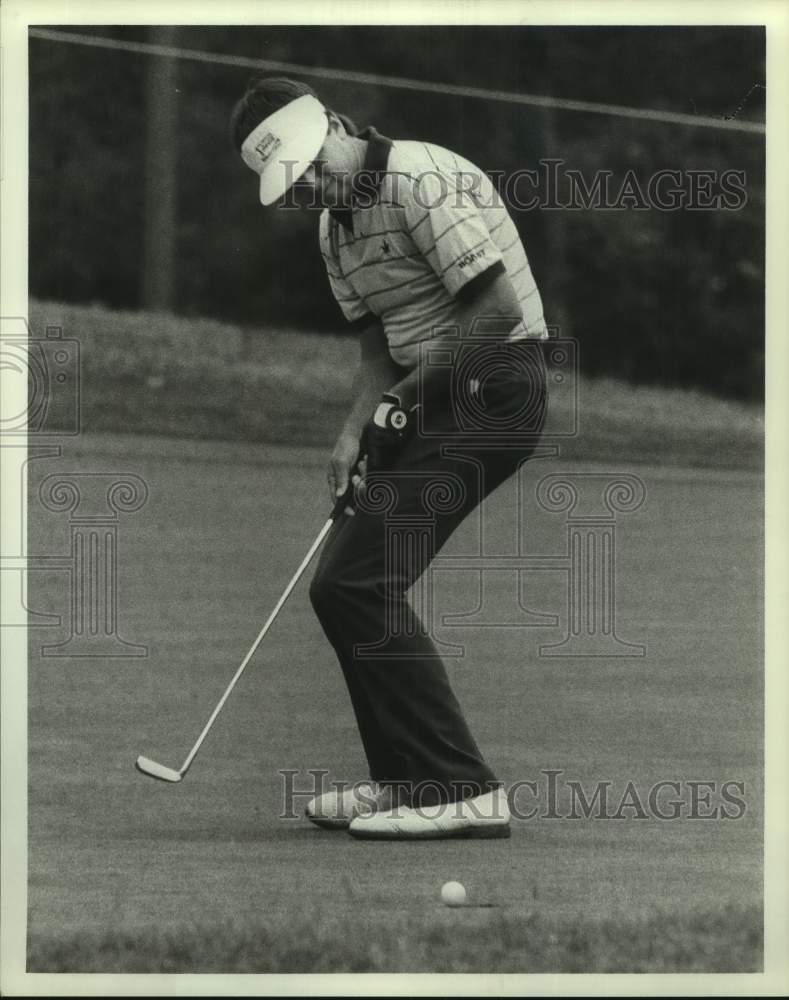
(426, 229)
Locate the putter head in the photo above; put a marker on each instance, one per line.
(154, 770)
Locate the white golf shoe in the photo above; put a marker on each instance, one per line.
(484, 816)
(335, 810)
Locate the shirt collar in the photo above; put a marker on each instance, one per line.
(376, 160)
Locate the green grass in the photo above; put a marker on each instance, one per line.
(128, 873)
(439, 940)
(196, 378)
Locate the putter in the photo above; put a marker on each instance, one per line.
(162, 773)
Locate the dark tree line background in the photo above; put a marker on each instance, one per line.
(653, 296)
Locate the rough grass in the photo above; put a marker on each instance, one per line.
(470, 940)
(196, 378)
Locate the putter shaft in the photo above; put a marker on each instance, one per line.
(154, 770)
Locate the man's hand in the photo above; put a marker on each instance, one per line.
(385, 432)
(342, 465)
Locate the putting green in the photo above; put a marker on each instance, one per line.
(200, 566)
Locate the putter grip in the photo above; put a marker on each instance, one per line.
(344, 501)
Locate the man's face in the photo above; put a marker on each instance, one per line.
(326, 183)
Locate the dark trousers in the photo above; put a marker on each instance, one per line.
(412, 728)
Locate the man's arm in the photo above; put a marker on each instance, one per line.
(374, 375)
(495, 300)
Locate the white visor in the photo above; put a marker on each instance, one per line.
(282, 147)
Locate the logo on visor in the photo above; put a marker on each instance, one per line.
(267, 146)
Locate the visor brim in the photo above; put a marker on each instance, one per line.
(279, 177)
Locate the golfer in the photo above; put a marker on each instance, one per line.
(449, 399)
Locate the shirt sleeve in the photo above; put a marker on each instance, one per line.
(353, 306)
(448, 230)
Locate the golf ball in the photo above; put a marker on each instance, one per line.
(453, 894)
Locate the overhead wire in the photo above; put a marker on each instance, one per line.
(731, 124)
